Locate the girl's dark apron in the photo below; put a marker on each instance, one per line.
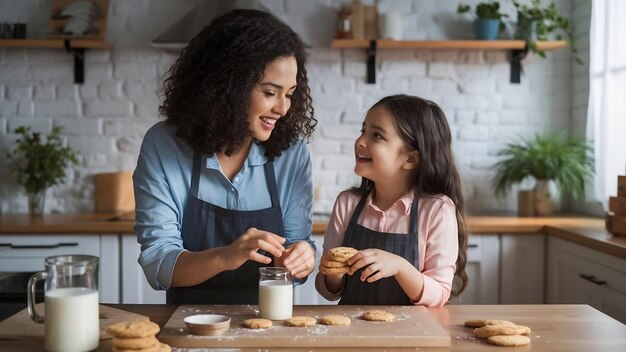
(207, 225)
(384, 291)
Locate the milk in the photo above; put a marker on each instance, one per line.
(72, 319)
(275, 299)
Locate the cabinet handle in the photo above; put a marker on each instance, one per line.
(593, 279)
(473, 245)
(39, 246)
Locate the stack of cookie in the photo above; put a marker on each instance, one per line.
(334, 261)
(500, 332)
(136, 336)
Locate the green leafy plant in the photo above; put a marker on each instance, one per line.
(485, 11)
(566, 160)
(38, 164)
(535, 22)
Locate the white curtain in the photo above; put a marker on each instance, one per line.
(606, 116)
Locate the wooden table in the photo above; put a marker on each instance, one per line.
(554, 328)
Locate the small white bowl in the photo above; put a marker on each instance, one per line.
(207, 324)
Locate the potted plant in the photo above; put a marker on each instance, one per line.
(39, 164)
(565, 160)
(488, 22)
(535, 22)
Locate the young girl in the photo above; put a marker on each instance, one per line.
(406, 218)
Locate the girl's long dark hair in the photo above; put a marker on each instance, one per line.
(207, 90)
(424, 128)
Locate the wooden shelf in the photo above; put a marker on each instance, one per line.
(446, 44)
(54, 43)
(517, 48)
(76, 47)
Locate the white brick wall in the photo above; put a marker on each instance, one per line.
(106, 117)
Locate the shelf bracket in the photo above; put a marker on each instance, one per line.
(79, 61)
(516, 64)
(371, 62)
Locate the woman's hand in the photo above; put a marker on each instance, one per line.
(379, 263)
(299, 259)
(246, 248)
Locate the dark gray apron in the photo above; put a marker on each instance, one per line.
(207, 225)
(384, 291)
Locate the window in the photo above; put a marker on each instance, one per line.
(606, 116)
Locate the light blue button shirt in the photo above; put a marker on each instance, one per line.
(162, 184)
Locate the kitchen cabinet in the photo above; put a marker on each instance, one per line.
(522, 268)
(577, 274)
(504, 269)
(26, 253)
(135, 286)
(483, 271)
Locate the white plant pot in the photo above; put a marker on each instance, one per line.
(545, 201)
(390, 25)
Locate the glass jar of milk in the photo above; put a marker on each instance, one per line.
(71, 320)
(275, 293)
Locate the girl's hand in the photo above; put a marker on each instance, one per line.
(246, 248)
(299, 259)
(379, 263)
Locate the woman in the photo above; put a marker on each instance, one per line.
(224, 185)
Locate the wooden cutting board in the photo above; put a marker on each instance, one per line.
(21, 327)
(413, 327)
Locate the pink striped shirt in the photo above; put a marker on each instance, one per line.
(437, 230)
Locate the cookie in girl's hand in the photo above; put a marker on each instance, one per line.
(333, 271)
(340, 254)
(334, 261)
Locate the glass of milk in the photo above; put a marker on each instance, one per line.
(275, 293)
(71, 318)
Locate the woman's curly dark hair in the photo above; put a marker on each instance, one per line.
(207, 90)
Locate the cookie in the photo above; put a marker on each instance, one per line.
(257, 323)
(332, 264)
(510, 340)
(326, 270)
(158, 347)
(335, 320)
(495, 330)
(340, 254)
(134, 343)
(135, 328)
(479, 323)
(377, 315)
(301, 321)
